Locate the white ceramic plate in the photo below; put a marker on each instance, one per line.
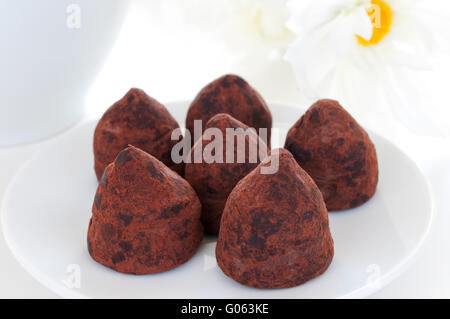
(47, 208)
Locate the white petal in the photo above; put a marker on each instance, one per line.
(412, 104)
(315, 55)
(319, 51)
(362, 24)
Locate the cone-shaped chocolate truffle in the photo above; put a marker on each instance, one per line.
(232, 95)
(274, 231)
(145, 217)
(214, 180)
(139, 120)
(337, 153)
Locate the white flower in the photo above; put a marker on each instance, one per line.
(249, 36)
(370, 55)
(247, 26)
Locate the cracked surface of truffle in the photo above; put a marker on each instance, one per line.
(145, 217)
(139, 120)
(337, 153)
(274, 231)
(213, 182)
(232, 95)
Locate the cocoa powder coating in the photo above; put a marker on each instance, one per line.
(213, 182)
(274, 231)
(139, 120)
(145, 217)
(337, 153)
(232, 95)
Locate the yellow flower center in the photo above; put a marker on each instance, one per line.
(380, 14)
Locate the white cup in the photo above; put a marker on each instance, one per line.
(51, 52)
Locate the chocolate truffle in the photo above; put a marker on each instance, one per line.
(232, 95)
(274, 231)
(337, 153)
(145, 217)
(139, 120)
(213, 181)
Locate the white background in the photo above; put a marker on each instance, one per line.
(172, 62)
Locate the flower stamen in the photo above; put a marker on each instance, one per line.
(380, 14)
